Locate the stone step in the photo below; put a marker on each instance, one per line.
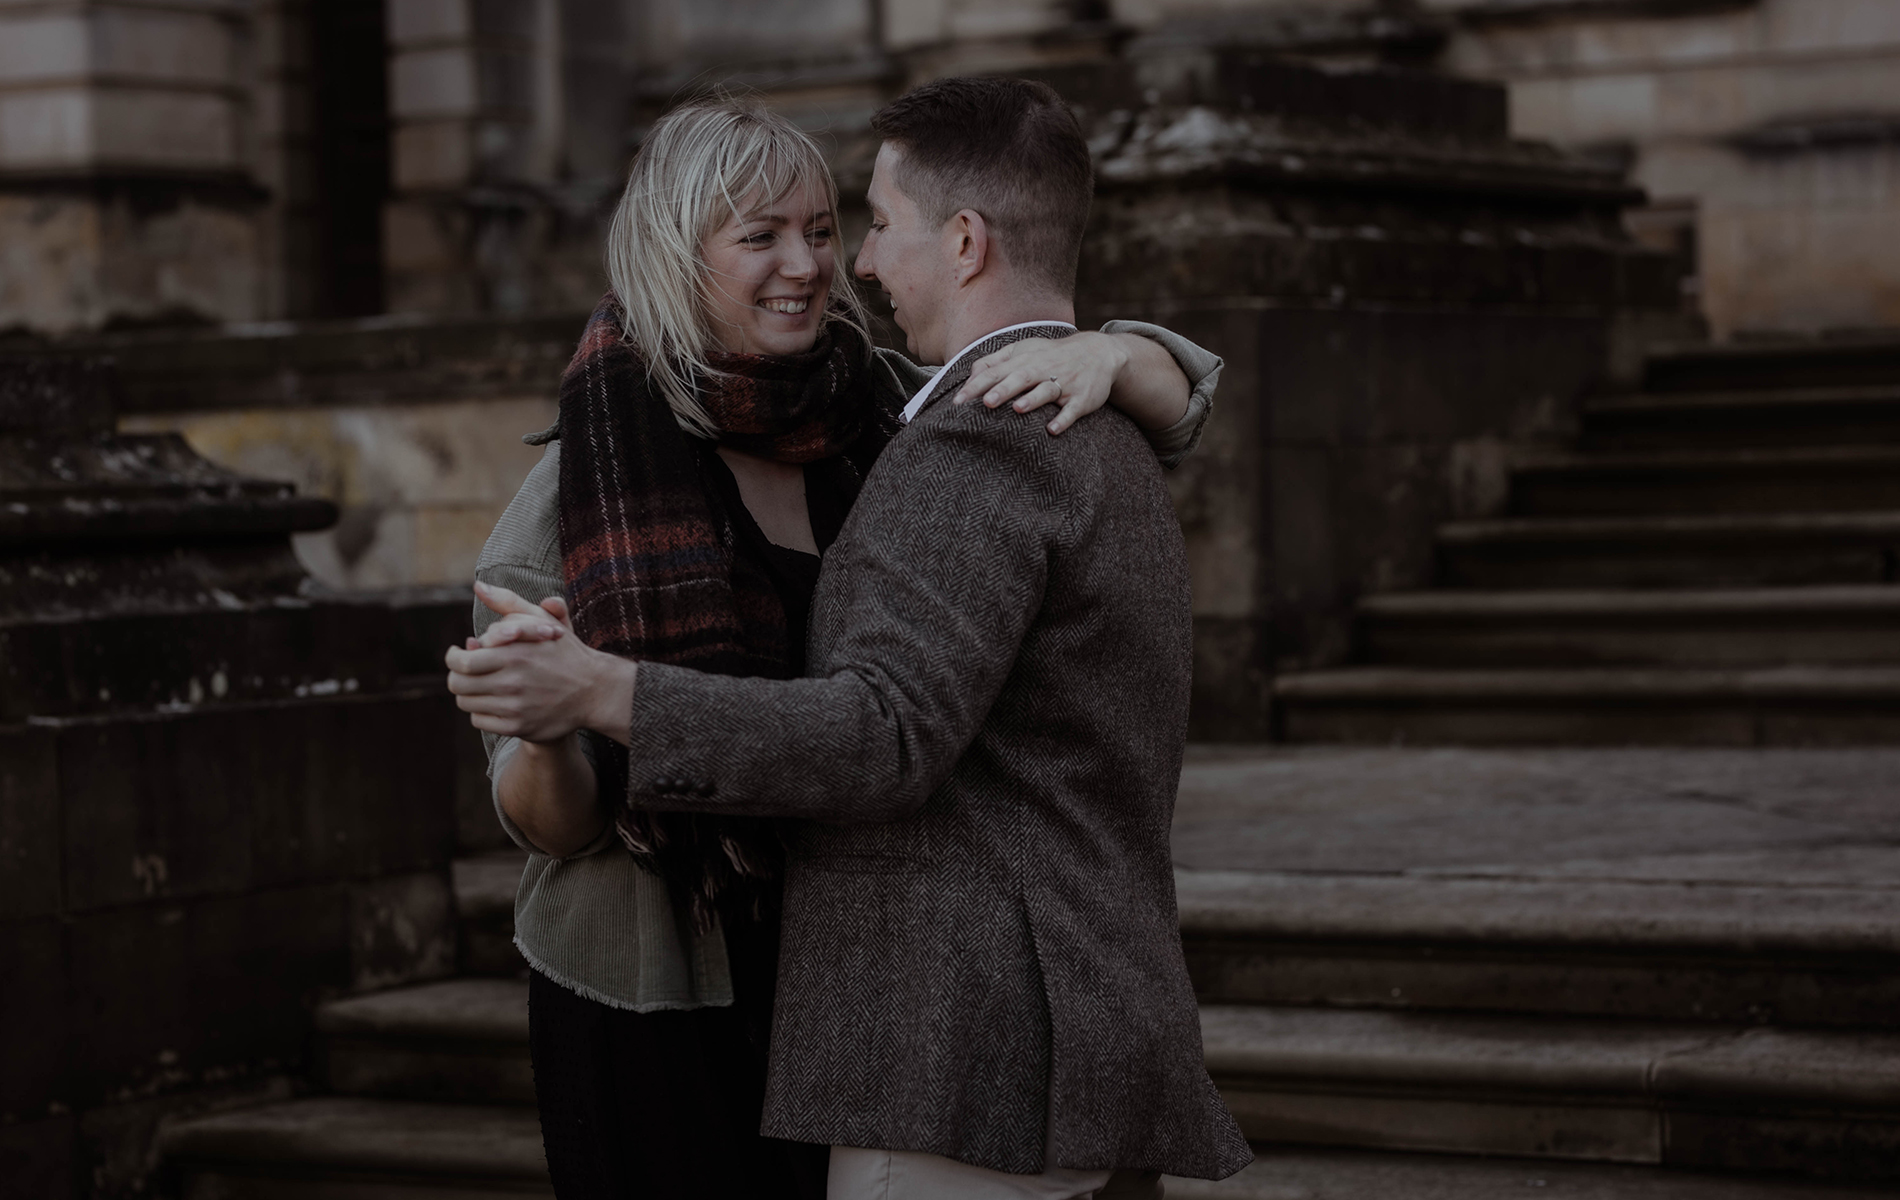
(1289, 1173)
(350, 1148)
(1747, 550)
(1692, 1096)
(1778, 706)
(1848, 478)
(1846, 362)
(1841, 416)
(1656, 949)
(1850, 625)
(460, 1039)
(485, 903)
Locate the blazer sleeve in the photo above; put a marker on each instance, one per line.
(921, 609)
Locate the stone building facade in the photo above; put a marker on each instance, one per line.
(329, 190)
(254, 160)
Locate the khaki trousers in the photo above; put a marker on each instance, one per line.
(858, 1174)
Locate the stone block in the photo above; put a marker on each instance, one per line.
(432, 154)
(152, 807)
(438, 82)
(912, 23)
(1799, 268)
(427, 622)
(52, 127)
(226, 801)
(1581, 42)
(419, 236)
(447, 291)
(39, 1159)
(163, 994)
(159, 46)
(449, 540)
(29, 824)
(371, 547)
(980, 21)
(39, 46)
(1580, 110)
(385, 805)
(74, 262)
(1831, 25)
(182, 661)
(477, 830)
(421, 485)
(679, 31)
(423, 21)
(402, 930)
(35, 1008)
(179, 130)
(504, 19)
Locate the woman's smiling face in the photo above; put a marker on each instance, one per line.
(771, 267)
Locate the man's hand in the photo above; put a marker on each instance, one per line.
(530, 676)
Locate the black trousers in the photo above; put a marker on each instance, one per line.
(666, 1105)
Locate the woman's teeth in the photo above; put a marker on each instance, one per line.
(792, 307)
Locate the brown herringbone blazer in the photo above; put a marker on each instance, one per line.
(981, 955)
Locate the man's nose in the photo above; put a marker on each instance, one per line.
(862, 266)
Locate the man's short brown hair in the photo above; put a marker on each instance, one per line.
(1009, 149)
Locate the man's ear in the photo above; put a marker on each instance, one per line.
(970, 239)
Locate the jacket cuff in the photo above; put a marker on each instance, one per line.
(1202, 368)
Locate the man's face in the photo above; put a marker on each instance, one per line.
(904, 253)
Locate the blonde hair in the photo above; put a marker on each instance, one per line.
(696, 167)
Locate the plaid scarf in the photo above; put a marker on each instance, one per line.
(648, 551)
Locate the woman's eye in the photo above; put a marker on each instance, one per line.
(759, 239)
(820, 235)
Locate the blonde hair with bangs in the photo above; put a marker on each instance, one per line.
(697, 166)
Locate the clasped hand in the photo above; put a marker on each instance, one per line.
(530, 676)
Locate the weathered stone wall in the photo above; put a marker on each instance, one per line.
(412, 428)
(1763, 130)
(1770, 129)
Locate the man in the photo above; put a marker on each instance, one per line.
(981, 991)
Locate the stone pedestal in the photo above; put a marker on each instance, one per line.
(222, 797)
(1403, 294)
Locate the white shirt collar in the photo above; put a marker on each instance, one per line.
(918, 401)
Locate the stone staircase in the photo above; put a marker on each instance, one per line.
(1438, 974)
(1425, 974)
(1713, 564)
(1613, 974)
(426, 1092)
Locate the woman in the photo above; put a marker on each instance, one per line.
(715, 422)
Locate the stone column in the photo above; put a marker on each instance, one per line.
(478, 222)
(124, 190)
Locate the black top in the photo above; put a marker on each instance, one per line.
(829, 490)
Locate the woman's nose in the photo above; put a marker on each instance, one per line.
(799, 262)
